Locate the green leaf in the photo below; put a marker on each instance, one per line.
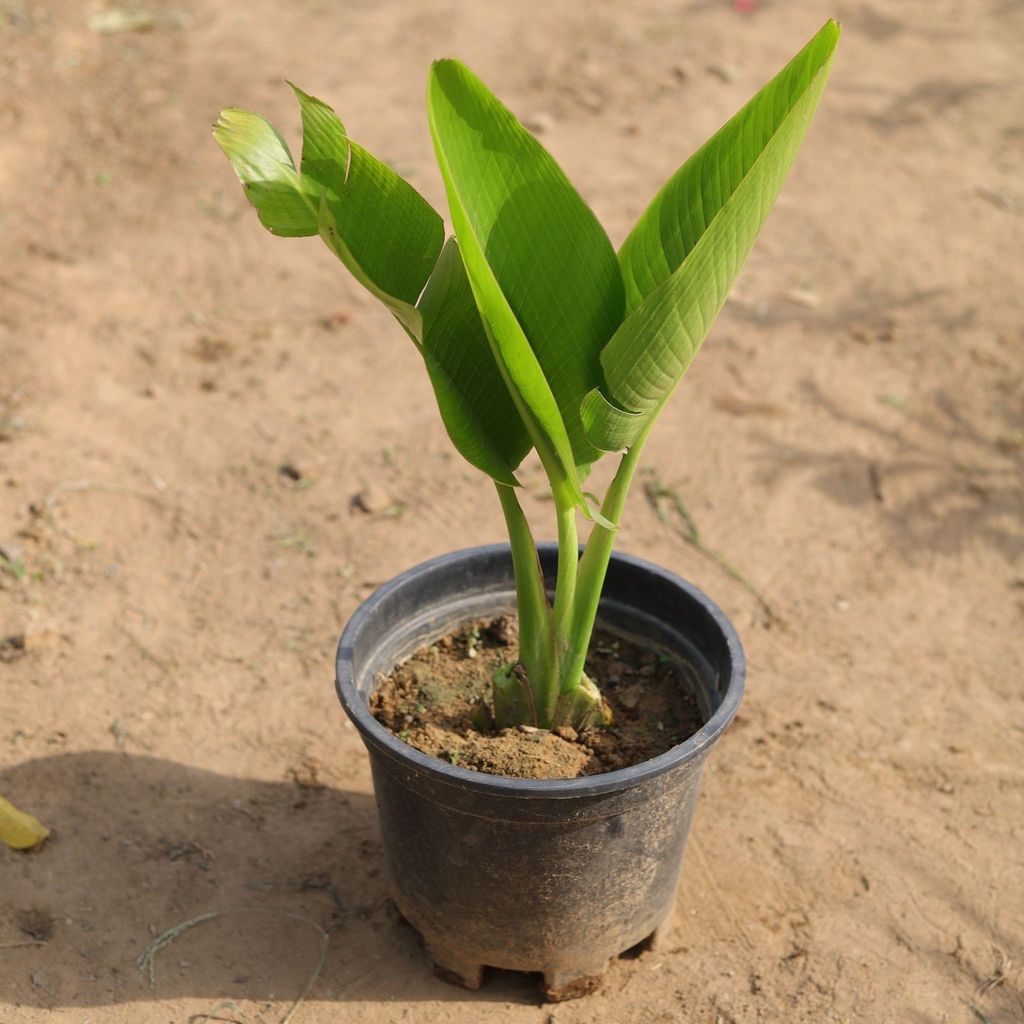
(389, 237)
(541, 267)
(681, 259)
(614, 428)
(374, 221)
(325, 144)
(476, 407)
(265, 168)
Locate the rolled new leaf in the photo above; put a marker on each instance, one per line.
(611, 428)
(681, 259)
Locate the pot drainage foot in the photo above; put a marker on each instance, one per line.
(561, 985)
(658, 939)
(455, 970)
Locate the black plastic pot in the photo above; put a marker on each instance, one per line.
(555, 876)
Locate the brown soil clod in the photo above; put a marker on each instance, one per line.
(38, 924)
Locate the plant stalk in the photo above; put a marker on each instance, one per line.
(550, 688)
(568, 559)
(535, 640)
(592, 569)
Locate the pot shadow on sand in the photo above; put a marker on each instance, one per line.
(140, 845)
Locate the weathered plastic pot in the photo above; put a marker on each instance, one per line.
(552, 876)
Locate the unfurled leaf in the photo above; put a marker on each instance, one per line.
(681, 259)
(19, 830)
(541, 267)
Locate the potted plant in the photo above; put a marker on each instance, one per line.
(537, 335)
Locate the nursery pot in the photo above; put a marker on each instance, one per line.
(552, 876)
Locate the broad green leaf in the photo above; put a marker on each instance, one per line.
(18, 829)
(541, 267)
(478, 412)
(377, 224)
(681, 259)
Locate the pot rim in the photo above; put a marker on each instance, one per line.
(502, 785)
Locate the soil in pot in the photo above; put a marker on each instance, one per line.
(429, 701)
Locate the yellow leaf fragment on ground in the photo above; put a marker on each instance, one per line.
(20, 831)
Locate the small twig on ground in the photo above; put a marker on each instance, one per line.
(214, 1014)
(146, 653)
(45, 509)
(10, 424)
(326, 933)
(979, 1014)
(720, 896)
(1003, 970)
(19, 945)
(146, 961)
(311, 884)
(80, 486)
(657, 494)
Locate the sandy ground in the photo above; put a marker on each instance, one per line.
(851, 438)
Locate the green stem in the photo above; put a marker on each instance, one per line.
(593, 566)
(535, 651)
(568, 558)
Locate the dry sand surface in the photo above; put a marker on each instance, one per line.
(188, 407)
